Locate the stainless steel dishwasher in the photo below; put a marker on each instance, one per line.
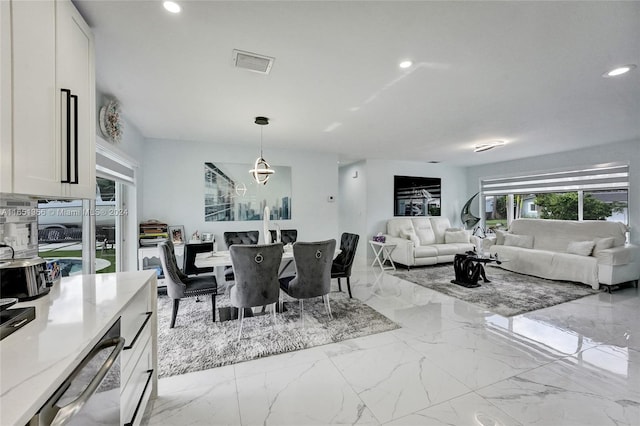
(91, 394)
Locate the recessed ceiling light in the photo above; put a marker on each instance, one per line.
(619, 70)
(171, 6)
(487, 146)
(405, 64)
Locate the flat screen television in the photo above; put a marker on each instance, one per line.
(416, 196)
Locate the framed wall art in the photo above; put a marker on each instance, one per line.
(416, 196)
(231, 193)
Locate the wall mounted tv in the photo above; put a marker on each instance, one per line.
(416, 196)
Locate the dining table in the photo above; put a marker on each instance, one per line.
(222, 258)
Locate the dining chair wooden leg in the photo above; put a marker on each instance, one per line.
(327, 305)
(339, 285)
(241, 318)
(174, 314)
(349, 287)
(301, 311)
(273, 310)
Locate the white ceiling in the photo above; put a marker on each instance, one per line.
(528, 73)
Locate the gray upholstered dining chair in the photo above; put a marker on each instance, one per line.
(313, 273)
(256, 277)
(238, 237)
(179, 285)
(287, 236)
(189, 261)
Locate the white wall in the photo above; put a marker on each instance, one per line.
(352, 204)
(626, 152)
(367, 202)
(173, 189)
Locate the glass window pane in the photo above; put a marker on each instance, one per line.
(557, 205)
(60, 234)
(611, 205)
(106, 246)
(496, 211)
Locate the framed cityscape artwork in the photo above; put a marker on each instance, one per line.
(230, 193)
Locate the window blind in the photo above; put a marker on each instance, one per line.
(112, 168)
(589, 178)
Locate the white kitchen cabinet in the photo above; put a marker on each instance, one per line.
(138, 322)
(48, 97)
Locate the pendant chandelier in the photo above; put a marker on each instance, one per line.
(261, 169)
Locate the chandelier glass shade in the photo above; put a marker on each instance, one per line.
(261, 170)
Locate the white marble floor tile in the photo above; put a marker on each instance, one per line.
(568, 393)
(361, 343)
(215, 404)
(470, 409)
(304, 394)
(196, 379)
(395, 380)
(477, 356)
(598, 321)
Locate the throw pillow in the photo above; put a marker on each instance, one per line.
(500, 236)
(524, 241)
(455, 237)
(602, 244)
(581, 248)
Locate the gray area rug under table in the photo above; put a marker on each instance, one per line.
(508, 293)
(196, 343)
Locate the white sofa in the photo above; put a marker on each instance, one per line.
(589, 252)
(425, 240)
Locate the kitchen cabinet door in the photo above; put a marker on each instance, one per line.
(75, 73)
(36, 153)
(52, 108)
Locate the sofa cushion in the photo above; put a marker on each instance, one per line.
(439, 225)
(447, 249)
(602, 244)
(424, 231)
(395, 225)
(524, 241)
(500, 236)
(410, 234)
(455, 237)
(425, 251)
(582, 248)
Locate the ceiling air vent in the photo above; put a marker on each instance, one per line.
(252, 61)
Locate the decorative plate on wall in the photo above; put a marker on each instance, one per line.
(110, 123)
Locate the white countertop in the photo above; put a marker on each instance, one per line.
(77, 312)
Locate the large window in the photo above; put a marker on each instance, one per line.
(87, 236)
(61, 224)
(591, 193)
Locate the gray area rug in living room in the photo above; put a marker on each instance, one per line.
(507, 294)
(196, 343)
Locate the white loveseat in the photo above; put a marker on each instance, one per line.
(589, 252)
(425, 240)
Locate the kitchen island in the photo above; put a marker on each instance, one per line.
(37, 358)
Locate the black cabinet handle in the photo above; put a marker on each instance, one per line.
(75, 137)
(67, 94)
(144, 324)
(146, 385)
